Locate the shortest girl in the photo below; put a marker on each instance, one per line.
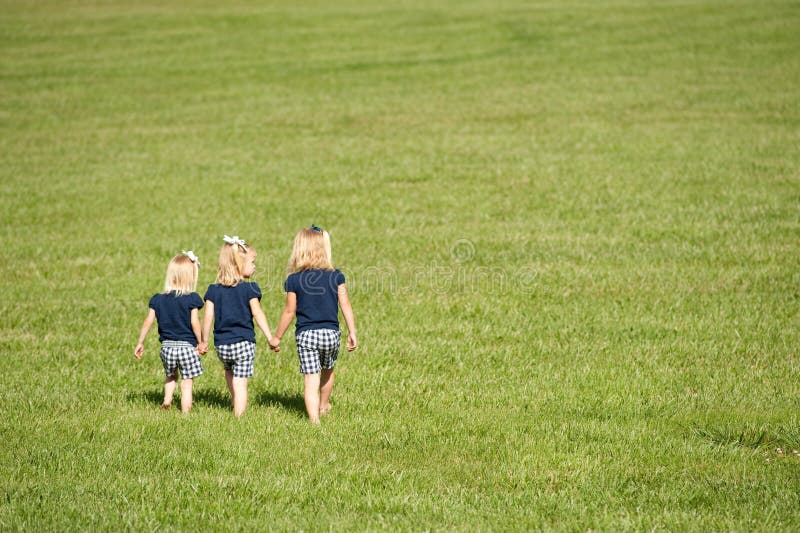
(314, 292)
(176, 310)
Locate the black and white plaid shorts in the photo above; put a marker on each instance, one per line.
(317, 349)
(180, 355)
(239, 358)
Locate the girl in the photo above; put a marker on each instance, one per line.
(313, 290)
(176, 310)
(232, 304)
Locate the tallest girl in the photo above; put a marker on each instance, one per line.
(314, 292)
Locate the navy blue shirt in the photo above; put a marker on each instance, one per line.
(233, 319)
(317, 298)
(174, 315)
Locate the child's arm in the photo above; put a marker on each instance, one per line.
(286, 320)
(349, 319)
(195, 318)
(208, 319)
(148, 322)
(258, 316)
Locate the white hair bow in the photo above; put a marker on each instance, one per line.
(190, 255)
(235, 240)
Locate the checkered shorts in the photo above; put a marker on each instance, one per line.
(317, 349)
(239, 358)
(180, 355)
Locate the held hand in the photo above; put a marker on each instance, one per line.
(139, 351)
(275, 344)
(202, 348)
(352, 342)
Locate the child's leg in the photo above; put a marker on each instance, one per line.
(169, 389)
(311, 396)
(229, 381)
(186, 394)
(239, 387)
(325, 389)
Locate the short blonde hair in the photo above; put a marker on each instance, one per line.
(312, 249)
(231, 261)
(181, 276)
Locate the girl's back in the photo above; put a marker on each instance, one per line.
(317, 298)
(174, 315)
(233, 318)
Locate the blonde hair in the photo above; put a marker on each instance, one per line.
(231, 261)
(181, 276)
(312, 249)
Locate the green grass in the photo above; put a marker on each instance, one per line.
(570, 231)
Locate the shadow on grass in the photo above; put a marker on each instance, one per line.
(207, 397)
(212, 398)
(221, 399)
(292, 402)
(149, 396)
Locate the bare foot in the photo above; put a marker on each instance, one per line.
(325, 410)
(165, 406)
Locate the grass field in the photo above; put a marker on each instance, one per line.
(571, 232)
